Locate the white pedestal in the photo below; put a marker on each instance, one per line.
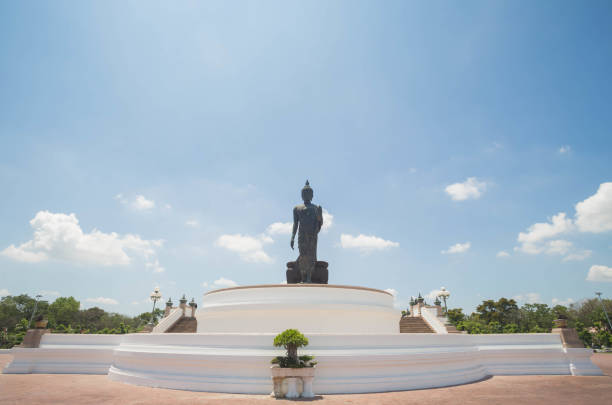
(310, 308)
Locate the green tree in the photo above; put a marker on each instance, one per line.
(560, 312)
(455, 315)
(511, 328)
(291, 340)
(589, 311)
(15, 308)
(494, 327)
(471, 326)
(145, 318)
(536, 318)
(503, 311)
(64, 310)
(90, 318)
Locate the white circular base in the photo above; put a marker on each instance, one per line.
(310, 308)
(240, 363)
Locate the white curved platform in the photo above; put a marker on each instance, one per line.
(239, 363)
(310, 308)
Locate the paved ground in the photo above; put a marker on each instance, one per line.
(97, 389)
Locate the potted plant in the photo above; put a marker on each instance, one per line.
(292, 367)
(41, 322)
(561, 321)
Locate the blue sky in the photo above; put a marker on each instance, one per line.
(177, 134)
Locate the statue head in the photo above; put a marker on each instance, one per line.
(307, 192)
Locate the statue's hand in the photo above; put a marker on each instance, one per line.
(291, 243)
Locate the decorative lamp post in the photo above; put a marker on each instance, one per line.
(155, 296)
(193, 306)
(604, 309)
(38, 297)
(444, 294)
(168, 307)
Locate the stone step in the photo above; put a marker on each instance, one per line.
(452, 329)
(414, 324)
(184, 325)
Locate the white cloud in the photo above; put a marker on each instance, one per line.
(457, 248)
(328, 220)
(595, 213)
(528, 298)
(503, 253)
(398, 303)
(142, 204)
(221, 282)
(599, 273)
(531, 241)
(155, 266)
(119, 197)
(60, 237)
(280, 228)
(4, 292)
(20, 254)
(566, 303)
(249, 248)
(558, 247)
(565, 149)
(391, 291)
(365, 243)
(578, 256)
(102, 300)
(471, 188)
(192, 223)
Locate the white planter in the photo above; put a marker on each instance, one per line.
(292, 382)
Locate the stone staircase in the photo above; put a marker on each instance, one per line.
(414, 324)
(184, 325)
(451, 329)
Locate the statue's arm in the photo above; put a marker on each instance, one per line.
(319, 218)
(295, 226)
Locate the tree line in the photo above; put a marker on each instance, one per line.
(505, 316)
(64, 315)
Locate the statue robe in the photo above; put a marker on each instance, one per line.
(309, 218)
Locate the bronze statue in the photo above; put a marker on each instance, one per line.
(307, 222)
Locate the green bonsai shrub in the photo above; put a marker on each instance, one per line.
(291, 340)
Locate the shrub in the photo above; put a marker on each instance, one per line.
(291, 340)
